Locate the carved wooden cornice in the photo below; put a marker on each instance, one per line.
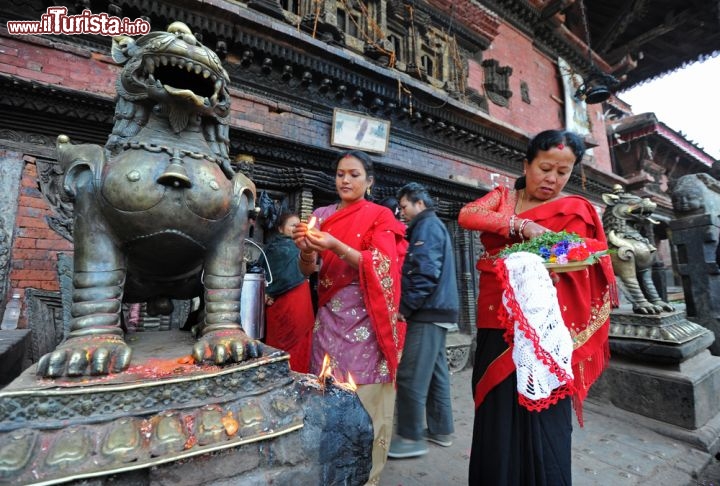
(554, 42)
(473, 24)
(275, 61)
(297, 77)
(27, 106)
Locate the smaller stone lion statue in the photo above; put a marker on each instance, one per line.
(634, 255)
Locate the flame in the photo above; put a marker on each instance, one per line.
(326, 377)
(326, 370)
(350, 383)
(311, 222)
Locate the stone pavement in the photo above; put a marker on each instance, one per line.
(614, 448)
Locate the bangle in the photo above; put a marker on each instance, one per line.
(522, 227)
(303, 253)
(512, 225)
(347, 250)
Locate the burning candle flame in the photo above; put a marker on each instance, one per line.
(311, 222)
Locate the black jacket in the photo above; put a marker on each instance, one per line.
(429, 284)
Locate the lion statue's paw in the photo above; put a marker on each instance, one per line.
(226, 346)
(94, 355)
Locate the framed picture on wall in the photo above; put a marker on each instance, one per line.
(358, 131)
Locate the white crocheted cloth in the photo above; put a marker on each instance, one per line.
(542, 345)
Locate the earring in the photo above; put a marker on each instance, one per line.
(368, 190)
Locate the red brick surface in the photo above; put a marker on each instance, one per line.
(35, 244)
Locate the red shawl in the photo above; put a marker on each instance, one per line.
(585, 297)
(379, 237)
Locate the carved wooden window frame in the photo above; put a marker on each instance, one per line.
(293, 6)
(497, 82)
(398, 42)
(427, 63)
(415, 48)
(349, 22)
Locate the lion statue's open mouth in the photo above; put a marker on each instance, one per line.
(173, 65)
(182, 78)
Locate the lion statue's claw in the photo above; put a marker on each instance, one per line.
(86, 355)
(226, 346)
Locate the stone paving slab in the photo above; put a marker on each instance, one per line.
(614, 447)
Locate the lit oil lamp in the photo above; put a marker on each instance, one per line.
(311, 222)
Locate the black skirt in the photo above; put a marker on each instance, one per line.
(511, 445)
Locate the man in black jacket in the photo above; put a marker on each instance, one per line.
(429, 303)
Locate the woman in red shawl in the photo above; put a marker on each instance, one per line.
(511, 444)
(361, 247)
(289, 312)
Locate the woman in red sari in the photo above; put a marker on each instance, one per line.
(361, 247)
(511, 444)
(288, 304)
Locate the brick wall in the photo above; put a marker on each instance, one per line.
(44, 61)
(35, 244)
(540, 73)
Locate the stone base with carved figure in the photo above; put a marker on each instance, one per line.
(167, 420)
(661, 368)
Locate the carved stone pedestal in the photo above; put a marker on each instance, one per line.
(661, 368)
(457, 346)
(165, 421)
(664, 338)
(695, 240)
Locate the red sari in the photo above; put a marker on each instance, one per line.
(585, 297)
(372, 230)
(512, 445)
(289, 325)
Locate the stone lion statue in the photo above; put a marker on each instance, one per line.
(633, 254)
(696, 194)
(159, 212)
(699, 194)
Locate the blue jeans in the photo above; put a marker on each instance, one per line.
(423, 383)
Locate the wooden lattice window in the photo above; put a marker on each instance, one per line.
(350, 23)
(497, 82)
